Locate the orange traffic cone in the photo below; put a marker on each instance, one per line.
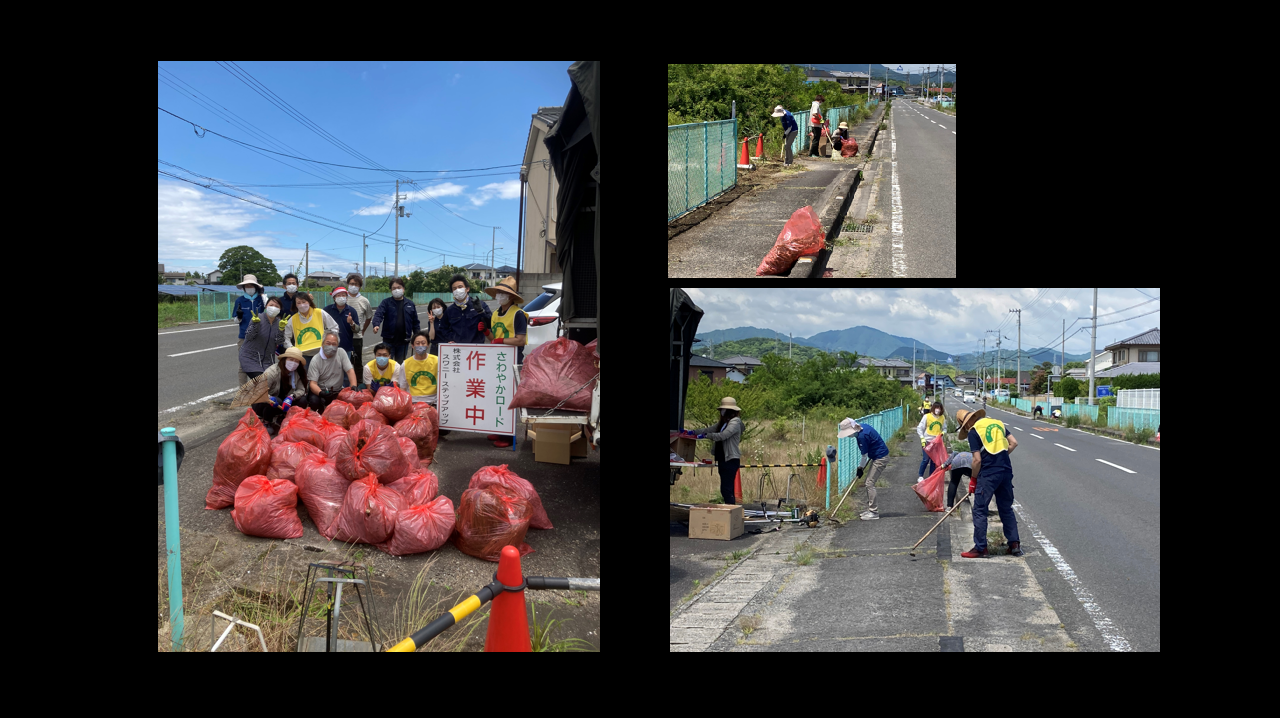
(744, 161)
(737, 487)
(508, 625)
(760, 144)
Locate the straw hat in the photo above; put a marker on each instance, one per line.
(295, 354)
(729, 403)
(967, 419)
(843, 126)
(250, 279)
(507, 286)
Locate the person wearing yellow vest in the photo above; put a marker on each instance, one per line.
(422, 370)
(307, 328)
(382, 370)
(931, 424)
(992, 475)
(508, 325)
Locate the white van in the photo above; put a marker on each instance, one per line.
(969, 396)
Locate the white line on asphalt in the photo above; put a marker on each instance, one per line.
(942, 127)
(953, 132)
(1068, 448)
(899, 254)
(1037, 436)
(1100, 620)
(224, 346)
(197, 401)
(1017, 428)
(224, 326)
(1118, 466)
(932, 122)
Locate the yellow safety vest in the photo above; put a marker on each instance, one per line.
(421, 375)
(308, 335)
(505, 327)
(935, 425)
(383, 378)
(991, 433)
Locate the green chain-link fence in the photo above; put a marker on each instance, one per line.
(701, 164)
(886, 424)
(220, 306)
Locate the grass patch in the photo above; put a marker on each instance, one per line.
(1137, 436)
(872, 218)
(1071, 644)
(177, 312)
(540, 636)
(805, 557)
(748, 624)
(995, 538)
(737, 555)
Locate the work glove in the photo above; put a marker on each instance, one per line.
(702, 436)
(482, 329)
(360, 387)
(923, 442)
(859, 472)
(288, 403)
(283, 321)
(275, 401)
(973, 486)
(255, 319)
(239, 314)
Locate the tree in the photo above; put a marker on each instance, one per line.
(377, 284)
(1074, 365)
(241, 260)
(416, 281)
(437, 280)
(159, 279)
(1038, 381)
(1070, 387)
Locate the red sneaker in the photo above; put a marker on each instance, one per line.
(493, 437)
(503, 442)
(975, 553)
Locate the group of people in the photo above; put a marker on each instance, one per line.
(820, 130)
(309, 355)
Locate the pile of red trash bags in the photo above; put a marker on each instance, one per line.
(556, 370)
(367, 483)
(801, 235)
(931, 489)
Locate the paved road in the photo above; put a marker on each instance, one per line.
(208, 362)
(921, 194)
(1104, 520)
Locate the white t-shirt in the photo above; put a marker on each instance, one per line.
(814, 110)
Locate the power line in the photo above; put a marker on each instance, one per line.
(331, 164)
(1139, 291)
(339, 185)
(1153, 299)
(1122, 321)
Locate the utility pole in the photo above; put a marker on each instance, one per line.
(788, 346)
(384, 266)
(306, 261)
(1018, 380)
(1093, 343)
(396, 209)
(492, 232)
(913, 342)
(364, 256)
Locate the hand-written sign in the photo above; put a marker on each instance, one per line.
(477, 383)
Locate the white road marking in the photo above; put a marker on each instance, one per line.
(1017, 428)
(942, 127)
(1082, 594)
(1118, 466)
(224, 346)
(1068, 448)
(1037, 436)
(224, 326)
(932, 122)
(197, 401)
(953, 132)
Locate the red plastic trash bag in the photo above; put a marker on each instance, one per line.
(491, 518)
(285, 458)
(418, 428)
(245, 452)
(801, 235)
(393, 403)
(501, 475)
(371, 448)
(267, 508)
(368, 413)
(322, 489)
(410, 453)
(298, 413)
(301, 429)
(936, 449)
(421, 528)
(555, 370)
(417, 488)
(333, 433)
(849, 148)
(341, 413)
(355, 398)
(368, 512)
(428, 411)
(930, 490)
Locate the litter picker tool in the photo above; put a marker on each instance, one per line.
(944, 518)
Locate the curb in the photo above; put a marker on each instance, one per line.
(849, 183)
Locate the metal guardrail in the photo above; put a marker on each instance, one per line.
(886, 424)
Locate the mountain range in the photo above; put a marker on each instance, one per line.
(878, 71)
(869, 341)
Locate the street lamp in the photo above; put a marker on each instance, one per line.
(492, 256)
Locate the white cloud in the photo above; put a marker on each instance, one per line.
(502, 190)
(454, 81)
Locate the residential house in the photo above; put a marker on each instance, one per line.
(744, 365)
(1100, 362)
(924, 382)
(713, 369)
(735, 375)
(505, 270)
(175, 277)
(944, 382)
(325, 279)
(539, 187)
(1136, 367)
(1144, 347)
(851, 81)
(892, 368)
(482, 274)
(215, 277)
(966, 379)
(812, 75)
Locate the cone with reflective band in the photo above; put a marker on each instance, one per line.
(508, 625)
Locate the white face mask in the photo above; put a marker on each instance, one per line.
(291, 288)
(353, 289)
(459, 294)
(290, 364)
(437, 311)
(341, 301)
(272, 312)
(937, 412)
(304, 308)
(503, 300)
(397, 293)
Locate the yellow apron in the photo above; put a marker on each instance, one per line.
(935, 425)
(383, 378)
(991, 433)
(505, 327)
(421, 375)
(308, 335)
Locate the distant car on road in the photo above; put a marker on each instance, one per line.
(969, 396)
(1003, 393)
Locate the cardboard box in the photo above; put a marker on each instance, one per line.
(684, 447)
(551, 442)
(715, 521)
(578, 446)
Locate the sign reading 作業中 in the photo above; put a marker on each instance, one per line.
(477, 383)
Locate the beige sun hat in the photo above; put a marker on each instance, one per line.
(843, 126)
(967, 419)
(778, 111)
(729, 403)
(847, 428)
(507, 286)
(250, 279)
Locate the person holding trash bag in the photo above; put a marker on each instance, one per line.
(250, 305)
(840, 136)
(396, 320)
(931, 425)
(348, 321)
(307, 328)
(324, 374)
(382, 370)
(875, 453)
(992, 475)
(258, 351)
(789, 131)
(286, 386)
(726, 436)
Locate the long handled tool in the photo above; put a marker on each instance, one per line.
(832, 516)
(944, 518)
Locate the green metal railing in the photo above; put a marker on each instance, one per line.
(701, 164)
(886, 424)
(1118, 418)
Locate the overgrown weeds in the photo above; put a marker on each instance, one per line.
(540, 635)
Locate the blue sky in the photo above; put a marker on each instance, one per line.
(402, 116)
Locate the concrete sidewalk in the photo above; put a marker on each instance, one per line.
(864, 592)
(733, 242)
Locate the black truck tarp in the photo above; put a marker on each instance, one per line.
(685, 316)
(574, 145)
